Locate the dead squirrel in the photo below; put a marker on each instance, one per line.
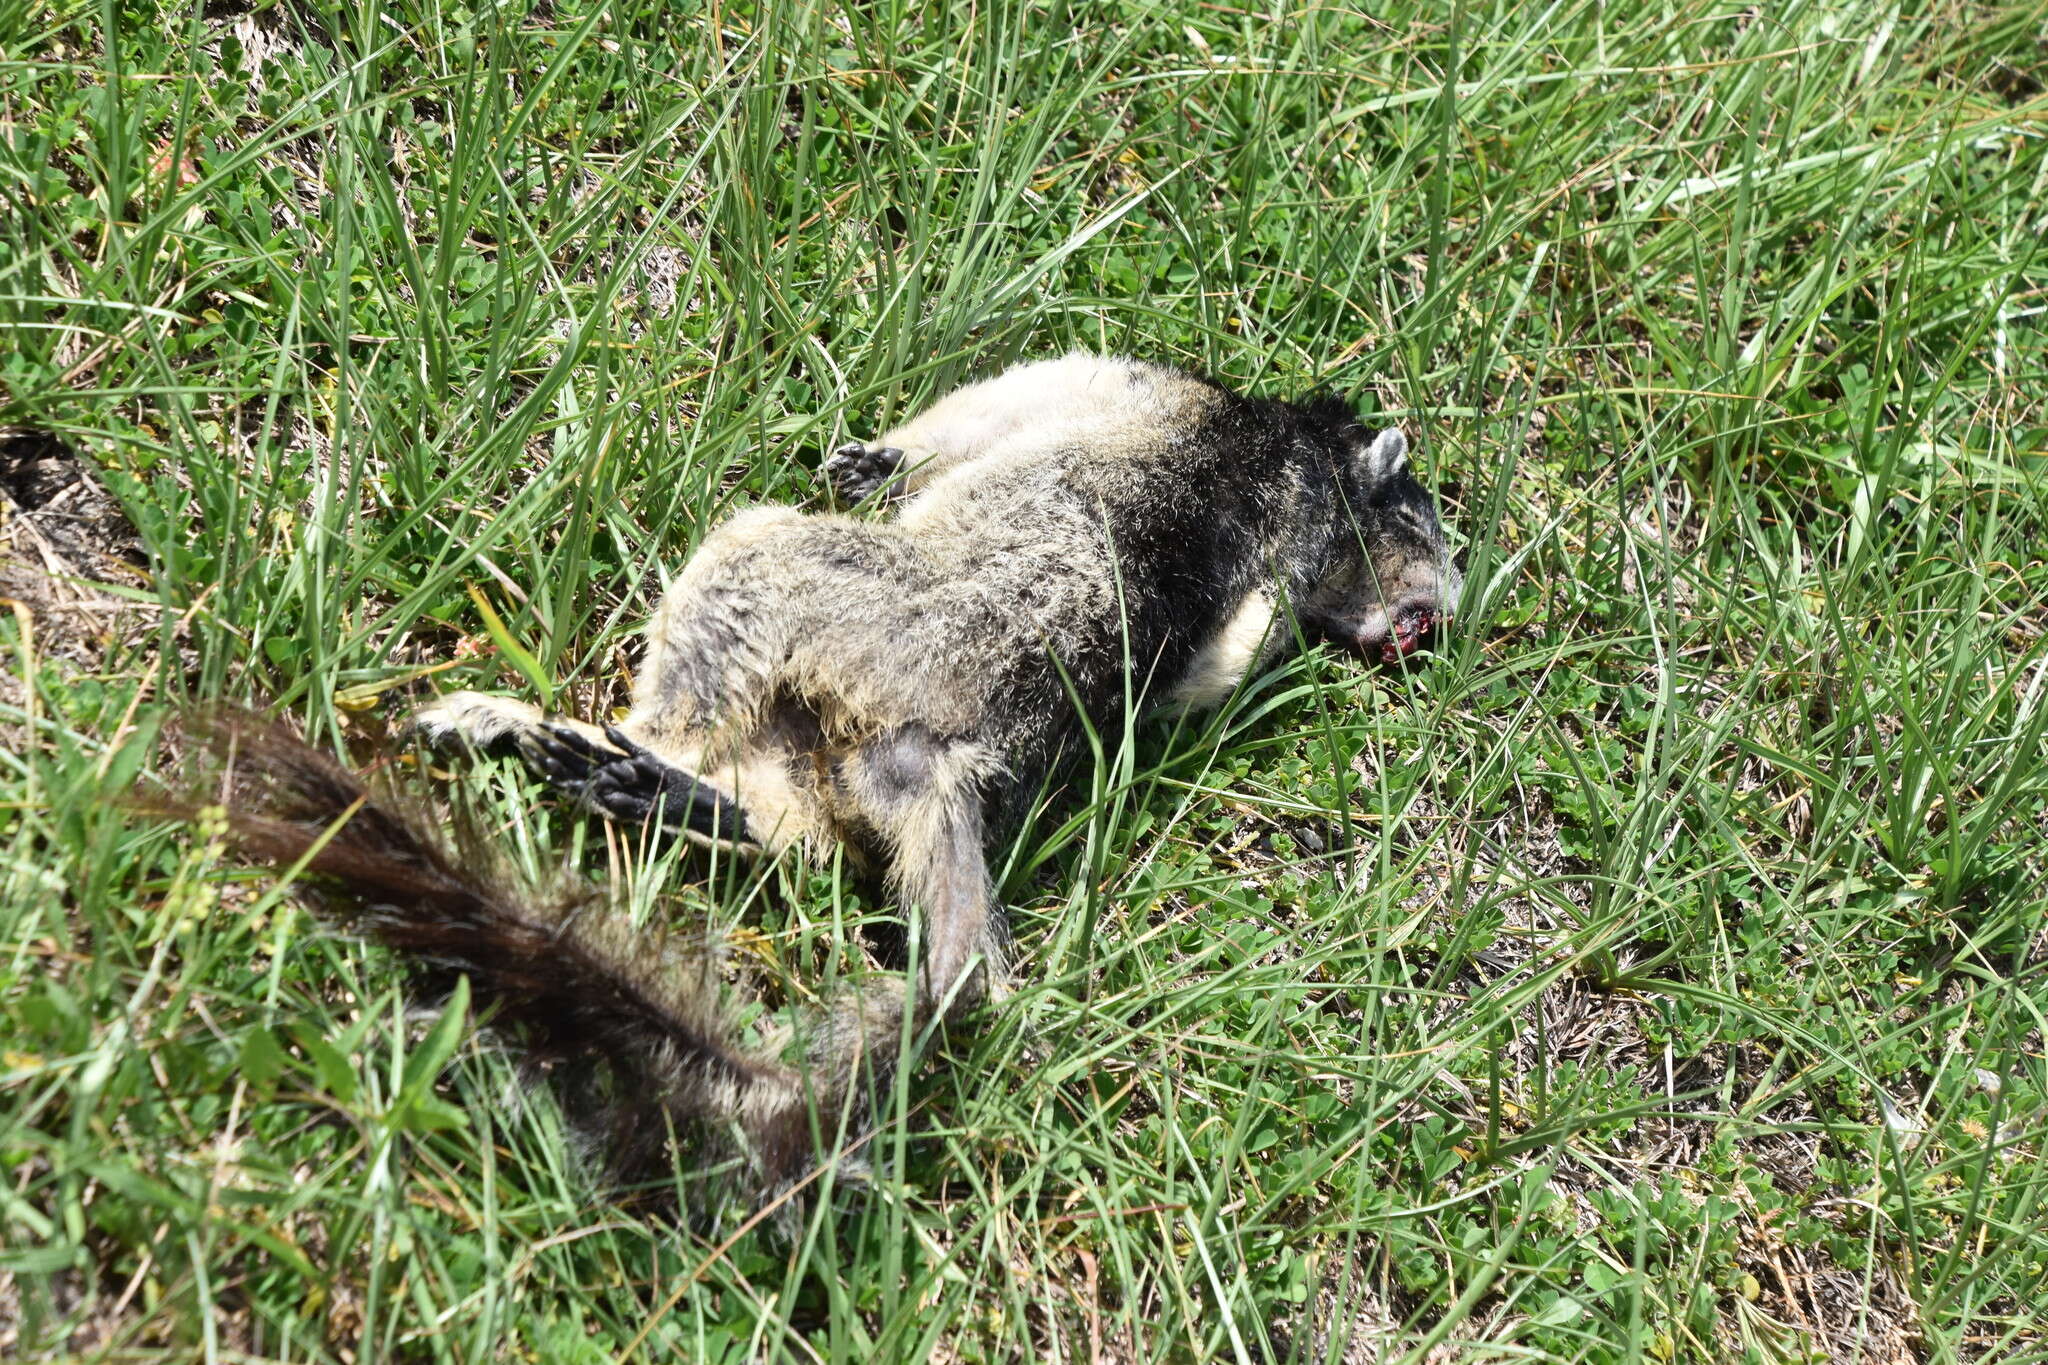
(1079, 539)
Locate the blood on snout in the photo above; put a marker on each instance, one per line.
(1407, 629)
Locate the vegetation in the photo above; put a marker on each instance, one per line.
(1657, 974)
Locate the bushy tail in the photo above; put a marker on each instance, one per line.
(568, 973)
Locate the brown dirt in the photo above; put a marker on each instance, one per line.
(63, 538)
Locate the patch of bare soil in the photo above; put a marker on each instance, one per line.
(62, 538)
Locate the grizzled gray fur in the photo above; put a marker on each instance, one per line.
(1086, 538)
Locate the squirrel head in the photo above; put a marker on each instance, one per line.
(1392, 586)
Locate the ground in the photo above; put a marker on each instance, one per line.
(1654, 973)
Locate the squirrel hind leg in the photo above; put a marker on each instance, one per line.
(569, 753)
(601, 767)
(923, 794)
(478, 720)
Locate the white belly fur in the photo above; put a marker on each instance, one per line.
(1250, 636)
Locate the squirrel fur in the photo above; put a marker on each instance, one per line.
(1075, 542)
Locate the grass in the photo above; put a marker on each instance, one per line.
(1657, 975)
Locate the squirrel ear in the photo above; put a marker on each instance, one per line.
(1385, 457)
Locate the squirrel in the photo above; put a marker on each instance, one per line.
(1072, 543)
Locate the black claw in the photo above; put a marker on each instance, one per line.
(566, 757)
(553, 769)
(624, 805)
(857, 471)
(640, 790)
(625, 782)
(627, 747)
(576, 742)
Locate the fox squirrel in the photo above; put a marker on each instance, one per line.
(1075, 541)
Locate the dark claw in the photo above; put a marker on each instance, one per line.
(624, 802)
(577, 742)
(627, 786)
(565, 757)
(641, 791)
(555, 770)
(857, 471)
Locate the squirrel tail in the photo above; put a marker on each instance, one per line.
(562, 969)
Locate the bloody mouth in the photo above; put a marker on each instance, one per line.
(1408, 630)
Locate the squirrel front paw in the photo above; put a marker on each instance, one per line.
(858, 471)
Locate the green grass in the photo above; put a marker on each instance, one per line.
(1659, 975)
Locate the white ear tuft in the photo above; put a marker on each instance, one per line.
(1387, 455)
